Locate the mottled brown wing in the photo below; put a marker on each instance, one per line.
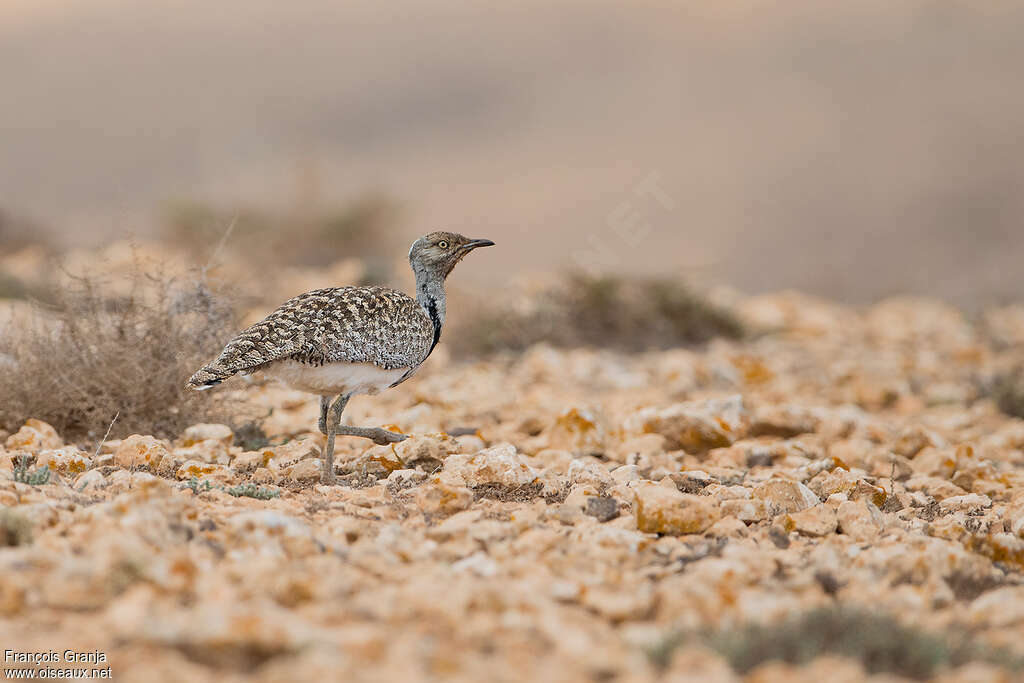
(340, 324)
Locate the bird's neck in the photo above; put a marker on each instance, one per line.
(430, 295)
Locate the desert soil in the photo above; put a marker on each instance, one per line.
(553, 516)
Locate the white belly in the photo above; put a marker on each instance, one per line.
(334, 378)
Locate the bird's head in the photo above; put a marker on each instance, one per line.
(439, 252)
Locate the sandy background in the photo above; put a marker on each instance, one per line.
(849, 149)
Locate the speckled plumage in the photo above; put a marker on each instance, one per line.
(344, 341)
(335, 325)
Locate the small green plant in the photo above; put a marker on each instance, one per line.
(253, 491)
(24, 475)
(197, 486)
(241, 491)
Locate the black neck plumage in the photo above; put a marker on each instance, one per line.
(436, 319)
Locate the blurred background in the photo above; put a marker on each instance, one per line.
(852, 150)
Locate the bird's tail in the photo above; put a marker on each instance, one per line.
(207, 378)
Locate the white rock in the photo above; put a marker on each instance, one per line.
(498, 465)
(785, 495)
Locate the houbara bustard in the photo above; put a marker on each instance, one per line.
(343, 341)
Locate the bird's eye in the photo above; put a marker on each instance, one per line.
(443, 244)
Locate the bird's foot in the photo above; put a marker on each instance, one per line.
(383, 437)
(323, 425)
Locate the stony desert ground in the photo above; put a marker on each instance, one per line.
(559, 515)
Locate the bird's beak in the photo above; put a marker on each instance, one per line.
(471, 245)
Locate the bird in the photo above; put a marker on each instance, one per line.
(339, 342)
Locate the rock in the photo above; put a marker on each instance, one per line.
(618, 606)
(661, 510)
(306, 471)
(139, 452)
(934, 462)
(208, 432)
(837, 480)
(691, 481)
(860, 520)
(169, 464)
(625, 474)
(427, 453)
(936, 487)
(785, 421)
(203, 470)
(746, 510)
(211, 451)
(400, 480)
(263, 475)
(727, 527)
(444, 494)
(695, 427)
(589, 473)
(972, 502)
(68, 461)
(34, 436)
(819, 520)
(578, 430)
(479, 564)
(1001, 608)
(786, 496)
(500, 465)
(92, 480)
(1014, 516)
(249, 461)
(292, 452)
(603, 508)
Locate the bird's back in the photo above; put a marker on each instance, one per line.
(373, 325)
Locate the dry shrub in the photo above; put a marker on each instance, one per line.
(93, 355)
(310, 238)
(600, 312)
(878, 641)
(1008, 391)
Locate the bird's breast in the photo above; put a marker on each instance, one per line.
(334, 378)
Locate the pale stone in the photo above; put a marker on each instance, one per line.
(727, 527)
(819, 520)
(860, 520)
(499, 465)
(578, 430)
(626, 474)
(69, 460)
(589, 473)
(89, 481)
(304, 472)
(661, 510)
(203, 470)
(786, 496)
(249, 461)
(971, 502)
(34, 436)
(208, 432)
(695, 427)
(444, 493)
(139, 452)
(746, 510)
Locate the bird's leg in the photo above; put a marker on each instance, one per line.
(381, 437)
(333, 422)
(325, 405)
